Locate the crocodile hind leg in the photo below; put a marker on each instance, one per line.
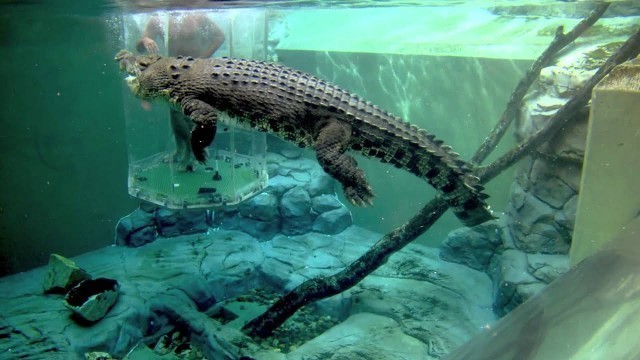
(331, 141)
(181, 127)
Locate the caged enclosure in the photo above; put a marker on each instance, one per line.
(160, 172)
(273, 180)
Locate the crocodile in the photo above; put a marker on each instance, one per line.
(309, 112)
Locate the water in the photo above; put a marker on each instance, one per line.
(448, 67)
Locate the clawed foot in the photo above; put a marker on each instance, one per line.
(201, 137)
(201, 155)
(181, 162)
(359, 195)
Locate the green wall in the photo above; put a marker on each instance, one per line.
(63, 172)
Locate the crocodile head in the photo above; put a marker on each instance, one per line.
(147, 78)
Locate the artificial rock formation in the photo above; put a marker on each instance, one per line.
(300, 199)
(195, 284)
(516, 274)
(528, 248)
(545, 192)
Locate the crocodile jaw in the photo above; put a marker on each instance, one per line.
(133, 83)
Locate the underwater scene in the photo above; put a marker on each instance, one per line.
(320, 180)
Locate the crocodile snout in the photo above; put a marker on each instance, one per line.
(127, 62)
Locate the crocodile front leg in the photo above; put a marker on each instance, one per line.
(181, 127)
(331, 142)
(205, 118)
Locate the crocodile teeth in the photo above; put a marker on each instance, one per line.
(133, 84)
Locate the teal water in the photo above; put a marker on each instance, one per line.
(449, 67)
(63, 171)
(64, 147)
(63, 138)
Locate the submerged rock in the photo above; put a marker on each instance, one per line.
(291, 153)
(91, 299)
(98, 355)
(533, 226)
(321, 183)
(547, 268)
(62, 275)
(296, 211)
(512, 281)
(144, 224)
(364, 336)
(137, 228)
(175, 285)
(474, 247)
(180, 222)
(301, 198)
(323, 203)
(333, 222)
(263, 207)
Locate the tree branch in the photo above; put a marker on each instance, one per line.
(565, 114)
(323, 287)
(558, 43)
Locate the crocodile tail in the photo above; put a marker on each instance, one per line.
(405, 146)
(462, 194)
(429, 158)
(470, 206)
(452, 178)
(388, 138)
